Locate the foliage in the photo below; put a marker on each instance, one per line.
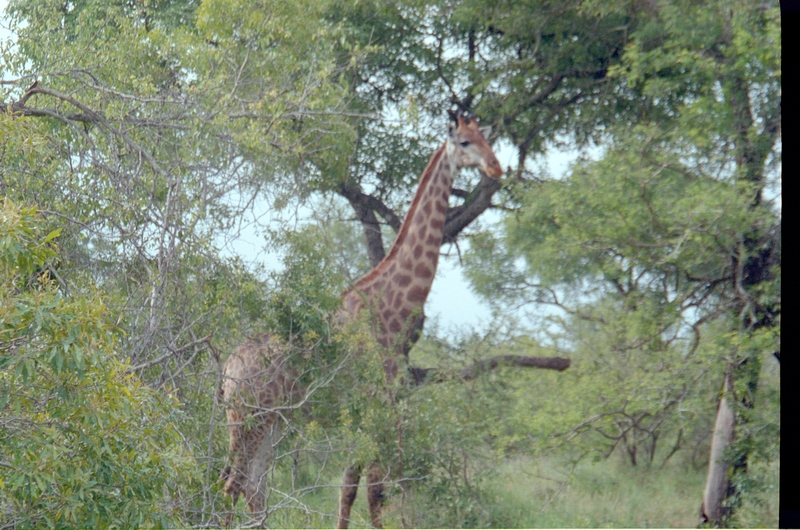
(83, 440)
(655, 259)
(153, 163)
(160, 134)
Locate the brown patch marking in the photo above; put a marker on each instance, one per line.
(423, 271)
(417, 294)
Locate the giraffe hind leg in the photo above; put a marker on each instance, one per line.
(375, 479)
(259, 466)
(347, 494)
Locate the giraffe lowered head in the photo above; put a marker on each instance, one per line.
(469, 146)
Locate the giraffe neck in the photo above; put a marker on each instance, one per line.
(398, 286)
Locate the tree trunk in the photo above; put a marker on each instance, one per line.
(718, 469)
(652, 449)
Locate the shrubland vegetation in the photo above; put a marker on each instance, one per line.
(140, 139)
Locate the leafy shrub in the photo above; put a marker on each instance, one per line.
(83, 442)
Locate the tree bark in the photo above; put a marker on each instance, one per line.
(752, 264)
(477, 202)
(717, 480)
(365, 206)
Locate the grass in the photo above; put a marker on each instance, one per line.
(613, 494)
(527, 493)
(605, 494)
(548, 493)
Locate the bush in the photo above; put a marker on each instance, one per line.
(83, 442)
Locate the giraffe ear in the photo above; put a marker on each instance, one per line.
(485, 131)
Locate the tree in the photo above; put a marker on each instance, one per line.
(674, 228)
(533, 70)
(158, 157)
(207, 118)
(153, 128)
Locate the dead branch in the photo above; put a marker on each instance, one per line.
(436, 375)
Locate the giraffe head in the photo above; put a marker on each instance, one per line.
(470, 148)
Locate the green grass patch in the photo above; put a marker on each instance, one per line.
(606, 494)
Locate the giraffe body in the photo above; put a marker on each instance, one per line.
(393, 293)
(256, 385)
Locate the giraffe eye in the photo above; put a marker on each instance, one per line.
(464, 144)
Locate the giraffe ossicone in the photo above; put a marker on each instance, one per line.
(393, 293)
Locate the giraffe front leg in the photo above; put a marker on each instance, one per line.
(259, 466)
(347, 494)
(375, 482)
(232, 484)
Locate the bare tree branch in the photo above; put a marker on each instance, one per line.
(478, 201)
(435, 375)
(88, 115)
(355, 195)
(364, 206)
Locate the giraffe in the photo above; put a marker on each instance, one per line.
(256, 384)
(393, 293)
(396, 289)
